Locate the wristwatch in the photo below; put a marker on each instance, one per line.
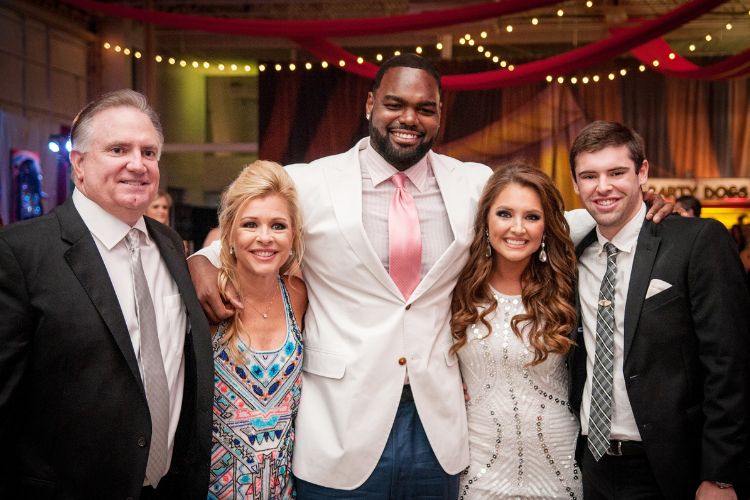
(723, 486)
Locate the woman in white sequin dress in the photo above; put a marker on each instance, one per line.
(512, 313)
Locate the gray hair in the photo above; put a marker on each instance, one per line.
(80, 134)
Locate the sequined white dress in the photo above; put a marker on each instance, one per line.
(522, 433)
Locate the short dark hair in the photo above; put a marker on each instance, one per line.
(407, 60)
(690, 203)
(601, 134)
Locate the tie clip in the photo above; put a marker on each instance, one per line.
(605, 303)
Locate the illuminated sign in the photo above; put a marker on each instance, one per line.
(703, 189)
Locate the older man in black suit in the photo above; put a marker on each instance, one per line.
(105, 365)
(660, 375)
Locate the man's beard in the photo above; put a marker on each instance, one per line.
(401, 159)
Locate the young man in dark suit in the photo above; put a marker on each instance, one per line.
(106, 371)
(659, 376)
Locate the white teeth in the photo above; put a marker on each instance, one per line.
(515, 242)
(405, 135)
(606, 203)
(263, 254)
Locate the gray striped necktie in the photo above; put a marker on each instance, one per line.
(154, 377)
(601, 387)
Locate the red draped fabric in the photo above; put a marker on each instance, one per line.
(642, 39)
(316, 28)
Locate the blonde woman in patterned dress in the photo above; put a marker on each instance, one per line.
(258, 352)
(512, 313)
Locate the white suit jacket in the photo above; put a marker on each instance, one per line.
(358, 326)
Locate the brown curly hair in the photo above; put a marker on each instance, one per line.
(546, 287)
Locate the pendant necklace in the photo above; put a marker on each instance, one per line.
(268, 301)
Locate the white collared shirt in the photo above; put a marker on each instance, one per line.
(377, 192)
(171, 318)
(591, 268)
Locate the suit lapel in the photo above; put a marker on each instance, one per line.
(460, 215)
(86, 263)
(643, 262)
(173, 258)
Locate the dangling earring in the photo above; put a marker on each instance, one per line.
(231, 250)
(488, 249)
(543, 253)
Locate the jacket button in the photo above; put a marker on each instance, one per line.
(408, 306)
(402, 361)
(142, 441)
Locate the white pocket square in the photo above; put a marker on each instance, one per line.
(656, 286)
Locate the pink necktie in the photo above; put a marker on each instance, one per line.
(404, 238)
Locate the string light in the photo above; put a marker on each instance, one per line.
(509, 28)
(183, 63)
(611, 76)
(118, 48)
(158, 58)
(728, 26)
(480, 49)
(439, 46)
(585, 79)
(655, 63)
(308, 66)
(277, 67)
(595, 78)
(560, 79)
(342, 63)
(292, 66)
(560, 12)
(107, 45)
(642, 68)
(234, 67)
(396, 52)
(379, 57)
(691, 47)
(324, 64)
(418, 50)
(534, 21)
(137, 54)
(589, 4)
(261, 67)
(195, 64)
(361, 59)
(462, 41)
(126, 51)
(221, 67)
(548, 78)
(574, 80)
(671, 56)
(471, 42)
(483, 34)
(623, 72)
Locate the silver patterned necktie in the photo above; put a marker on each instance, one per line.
(154, 377)
(600, 417)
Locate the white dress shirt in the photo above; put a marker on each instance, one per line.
(591, 268)
(171, 319)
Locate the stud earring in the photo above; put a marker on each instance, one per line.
(488, 248)
(542, 252)
(367, 116)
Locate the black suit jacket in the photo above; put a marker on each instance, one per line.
(74, 421)
(686, 354)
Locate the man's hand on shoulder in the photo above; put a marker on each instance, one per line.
(658, 208)
(205, 281)
(710, 490)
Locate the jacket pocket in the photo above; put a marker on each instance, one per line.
(323, 363)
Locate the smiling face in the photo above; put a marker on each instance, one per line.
(159, 210)
(516, 224)
(262, 235)
(119, 170)
(609, 187)
(404, 115)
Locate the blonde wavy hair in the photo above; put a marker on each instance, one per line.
(259, 179)
(547, 288)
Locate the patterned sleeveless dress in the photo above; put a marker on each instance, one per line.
(253, 425)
